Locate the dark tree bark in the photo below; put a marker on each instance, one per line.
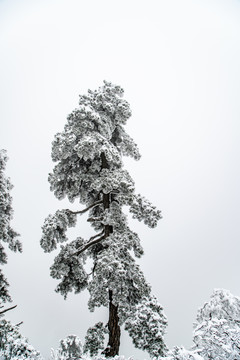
(113, 321)
(114, 330)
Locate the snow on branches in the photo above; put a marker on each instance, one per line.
(146, 326)
(55, 227)
(116, 269)
(69, 349)
(4, 294)
(94, 340)
(115, 181)
(217, 329)
(222, 305)
(180, 353)
(13, 346)
(88, 167)
(7, 234)
(69, 268)
(142, 209)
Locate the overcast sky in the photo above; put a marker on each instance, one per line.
(178, 62)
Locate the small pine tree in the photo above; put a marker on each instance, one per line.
(69, 349)
(89, 168)
(217, 329)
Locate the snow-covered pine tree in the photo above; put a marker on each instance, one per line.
(7, 234)
(180, 353)
(14, 346)
(88, 155)
(69, 349)
(217, 329)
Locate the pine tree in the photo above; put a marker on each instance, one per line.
(13, 346)
(7, 234)
(89, 168)
(217, 329)
(69, 349)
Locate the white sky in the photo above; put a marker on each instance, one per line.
(178, 62)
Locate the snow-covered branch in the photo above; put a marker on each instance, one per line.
(55, 227)
(93, 240)
(142, 209)
(86, 209)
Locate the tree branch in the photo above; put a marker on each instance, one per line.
(19, 323)
(88, 208)
(92, 242)
(94, 237)
(13, 307)
(95, 219)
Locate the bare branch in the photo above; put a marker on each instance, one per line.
(88, 208)
(19, 323)
(3, 311)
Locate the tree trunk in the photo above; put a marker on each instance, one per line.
(114, 330)
(112, 348)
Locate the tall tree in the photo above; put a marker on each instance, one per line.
(88, 155)
(7, 234)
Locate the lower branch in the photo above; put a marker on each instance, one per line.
(90, 243)
(3, 311)
(19, 324)
(95, 236)
(88, 208)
